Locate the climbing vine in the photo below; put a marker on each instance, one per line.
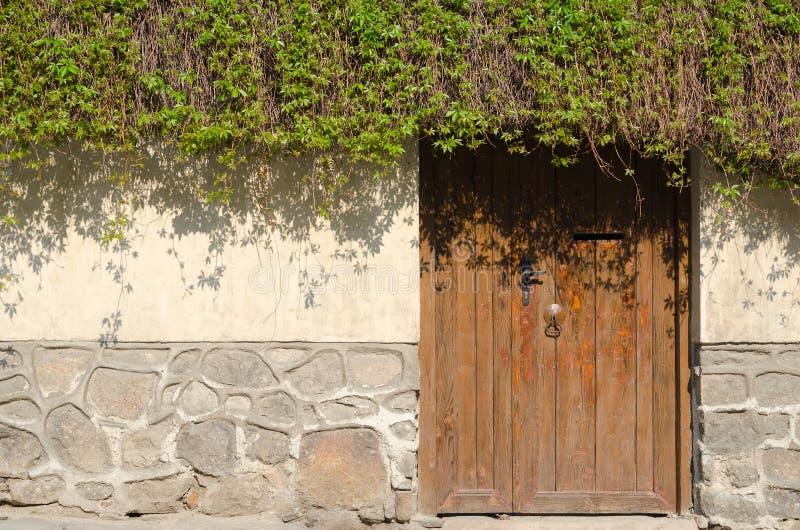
(244, 77)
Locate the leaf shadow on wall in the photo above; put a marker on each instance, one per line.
(750, 254)
(117, 201)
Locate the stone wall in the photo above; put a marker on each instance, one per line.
(749, 437)
(299, 430)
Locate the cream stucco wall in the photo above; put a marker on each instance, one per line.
(746, 264)
(190, 271)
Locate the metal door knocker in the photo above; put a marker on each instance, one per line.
(553, 316)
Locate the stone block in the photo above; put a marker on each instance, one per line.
(739, 432)
(790, 359)
(321, 375)
(348, 408)
(775, 389)
(185, 362)
(277, 408)
(246, 494)
(59, 371)
(372, 514)
(192, 498)
(13, 385)
(269, 447)
(781, 467)
(145, 448)
(404, 430)
(19, 410)
(741, 474)
(95, 491)
(30, 492)
(333, 520)
(19, 451)
(209, 446)
(121, 394)
(197, 399)
(738, 508)
(137, 358)
(406, 464)
(723, 389)
(162, 495)
(284, 359)
(783, 503)
(238, 368)
(342, 469)
(370, 368)
(400, 483)
(77, 441)
(405, 505)
(403, 401)
(733, 358)
(238, 405)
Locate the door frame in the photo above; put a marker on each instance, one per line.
(427, 465)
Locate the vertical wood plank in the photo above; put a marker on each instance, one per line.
(426, 497)
(615, 328)
(543, 391)
(445, 317)
(575, 363)
(502, 278)
(534, 447)
(664, 329)
(463, 249)
(645, 230)
(520, 349)
(525, 423)
(484, 321)
(523, 462)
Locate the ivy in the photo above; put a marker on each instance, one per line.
(363, 76)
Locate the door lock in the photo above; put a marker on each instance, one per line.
(527, 278)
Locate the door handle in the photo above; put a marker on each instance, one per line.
(527, 278)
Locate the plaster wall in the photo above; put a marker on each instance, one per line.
(746, 264)
(264, 267)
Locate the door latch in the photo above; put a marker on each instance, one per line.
(527, 278)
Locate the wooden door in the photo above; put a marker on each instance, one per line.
(513, 418)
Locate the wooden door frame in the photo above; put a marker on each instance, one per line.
(427, 465)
